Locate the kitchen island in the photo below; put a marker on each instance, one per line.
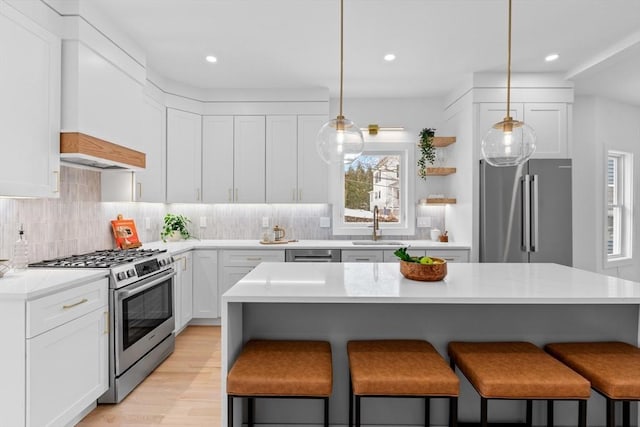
(338, 302)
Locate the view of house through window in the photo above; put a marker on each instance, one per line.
(619, 217)
(373, 180)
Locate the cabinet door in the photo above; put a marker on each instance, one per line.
(151, 182)
(362, 256)
(67, 369)
(29, 107)
(312, 170)
(282, 159)
(492, 113)
(231, 276)
(217, 159)
(549, 121)
(187, 289)
(205, 284)
(184, 137)
(450, 255)
(249, 159)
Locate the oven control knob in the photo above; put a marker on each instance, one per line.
(131, 273)
(162, 262)
(121, 275)
(171, 260)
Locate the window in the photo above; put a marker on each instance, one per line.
(378, 177)
(619, 218)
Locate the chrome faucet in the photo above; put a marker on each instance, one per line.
(376, 225)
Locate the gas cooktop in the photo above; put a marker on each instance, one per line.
(99, 259)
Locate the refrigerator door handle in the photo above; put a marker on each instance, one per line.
(535, 242)
(525, 183)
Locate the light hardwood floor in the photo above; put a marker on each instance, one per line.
(183, 391)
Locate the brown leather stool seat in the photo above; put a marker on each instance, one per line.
(613, 368)
(518, 370)
(286, 369)
(400, 368)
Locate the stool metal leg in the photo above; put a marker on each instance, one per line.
(550, 413)
(529, 416)
(611, 412)
(350, 402)
(427, 409)
(357, 411)
(326, 412)
(229, 411)
(582, 413)
(453, 412)
(483, 412)
(626, 413)
(250, 408)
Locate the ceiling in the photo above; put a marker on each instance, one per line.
(295, 43)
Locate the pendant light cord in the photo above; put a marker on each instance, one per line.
(509, 66)
(342, 50)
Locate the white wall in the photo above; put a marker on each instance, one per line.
(601, 124)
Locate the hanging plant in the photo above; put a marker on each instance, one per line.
(427, 151)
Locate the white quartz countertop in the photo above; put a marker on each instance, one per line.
(464, 284)
(185, 245)
(37, 282)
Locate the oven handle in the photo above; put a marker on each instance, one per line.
(142, 288)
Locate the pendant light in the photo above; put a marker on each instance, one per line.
(340, 140)
(509, 142)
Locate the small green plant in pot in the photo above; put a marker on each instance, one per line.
(427, 151)
(175, 227)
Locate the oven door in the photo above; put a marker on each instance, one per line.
(143, 317)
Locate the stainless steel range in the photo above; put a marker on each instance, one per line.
(141, 312)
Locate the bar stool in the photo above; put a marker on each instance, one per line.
(612, 367)
(281, 369)
(518, 371)
(400, 368)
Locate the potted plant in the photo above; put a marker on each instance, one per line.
(427, 151)
(175, 227)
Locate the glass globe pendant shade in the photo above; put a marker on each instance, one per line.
(508, 143)
(339, 141)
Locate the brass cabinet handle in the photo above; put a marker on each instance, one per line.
(197, 194)
(139, 190)
(184, 263)
(106, 323)
(254, 259)
(68, 306)
(57, 174)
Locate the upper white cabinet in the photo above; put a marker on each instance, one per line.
(249, 159)
(151, 182)
(549, 120)
(295, 172)
(29, 107)
(184, 156)
(217, 159)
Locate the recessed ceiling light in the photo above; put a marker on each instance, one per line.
(552, 57)
(389, 57)
(211, 58)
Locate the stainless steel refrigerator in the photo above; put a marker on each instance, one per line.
(525, 212)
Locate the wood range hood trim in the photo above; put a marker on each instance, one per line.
(77, 147)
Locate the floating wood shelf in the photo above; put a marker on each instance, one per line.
(443, 141)
(440, 171)
(79, 145)
(446, 201)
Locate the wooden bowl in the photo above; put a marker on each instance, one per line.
(424, 272)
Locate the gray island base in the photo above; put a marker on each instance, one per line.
(540, 303)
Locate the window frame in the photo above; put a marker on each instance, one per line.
(622, 206)
(406, 226)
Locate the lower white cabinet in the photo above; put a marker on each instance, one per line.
(450, 255)
(362, 255)
(205, 284)
(67, 369)
(183, 291)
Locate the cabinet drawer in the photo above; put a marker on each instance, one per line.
(48, 312)
(451, 255)
(250, 258)
(361, 256)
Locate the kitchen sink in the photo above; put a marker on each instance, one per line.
(377, 243)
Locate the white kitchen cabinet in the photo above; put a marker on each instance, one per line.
(205, 284)
(549, 120)
(237, 264)
(184, 152)
(312, 170)
(249, 159)
(450, 255)
(67, 369)
(183, 291)
(29, 106)
(282, 159)
(151, 182)
(217, 159)
(349, 255)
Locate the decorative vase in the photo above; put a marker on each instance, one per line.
(174, 236)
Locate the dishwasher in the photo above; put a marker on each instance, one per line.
(312, 255)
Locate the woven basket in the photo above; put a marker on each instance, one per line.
(424, 272)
